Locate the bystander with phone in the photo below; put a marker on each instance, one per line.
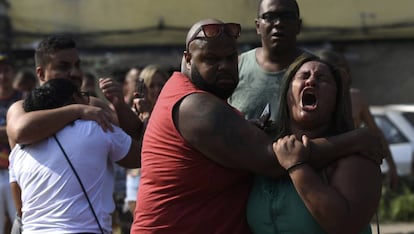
(149, 85)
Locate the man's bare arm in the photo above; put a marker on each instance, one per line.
(133, 157)
(222, 135)
(213, 128)
(359, 141)
(128, 120)
(30, 127)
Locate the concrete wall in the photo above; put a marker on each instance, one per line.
(131, 23)
(382, 70)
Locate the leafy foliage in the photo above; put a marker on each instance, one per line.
(397, 205)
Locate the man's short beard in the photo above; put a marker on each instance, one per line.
(198, 81)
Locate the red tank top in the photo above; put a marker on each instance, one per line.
(181, 191)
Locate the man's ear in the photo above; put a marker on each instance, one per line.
(40, 73)
(256, 22)
(187, 57)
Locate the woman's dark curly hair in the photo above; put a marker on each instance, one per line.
(52, 94)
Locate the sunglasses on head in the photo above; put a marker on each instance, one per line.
(215, 30)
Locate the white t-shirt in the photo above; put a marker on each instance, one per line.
(53, 201)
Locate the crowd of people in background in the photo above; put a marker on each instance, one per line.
(8, 95)
(221, 145)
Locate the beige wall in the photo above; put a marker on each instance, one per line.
(129, 17)
(347, 13)
(96, 15)
(89, 16)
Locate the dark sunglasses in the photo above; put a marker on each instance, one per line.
(215, 30)
(272, 17)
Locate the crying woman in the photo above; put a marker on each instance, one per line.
(340, 197)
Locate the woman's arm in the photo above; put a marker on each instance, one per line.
(369, 121)
(16, 193)
(347, 202)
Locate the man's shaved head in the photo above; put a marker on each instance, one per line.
(211, 61)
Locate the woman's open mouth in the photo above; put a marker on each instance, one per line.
(309, 100)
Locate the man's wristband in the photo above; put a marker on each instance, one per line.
(296, 165)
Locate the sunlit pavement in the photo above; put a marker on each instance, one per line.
(394, 228)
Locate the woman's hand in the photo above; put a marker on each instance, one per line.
(290, 151)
